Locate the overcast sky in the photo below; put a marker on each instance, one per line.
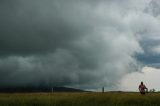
(84, 44)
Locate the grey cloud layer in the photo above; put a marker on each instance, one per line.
(86, 44)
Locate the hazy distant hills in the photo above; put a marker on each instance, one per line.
(66, 89)
(40, 89)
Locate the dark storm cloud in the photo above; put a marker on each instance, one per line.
(86, 44)
(36, 27)
(154, 8)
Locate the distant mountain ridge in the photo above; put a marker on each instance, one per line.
(40, 89)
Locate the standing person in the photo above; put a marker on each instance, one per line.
(142, 88)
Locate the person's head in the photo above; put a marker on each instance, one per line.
(141, 83)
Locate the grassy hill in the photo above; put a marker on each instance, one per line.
(79, 99)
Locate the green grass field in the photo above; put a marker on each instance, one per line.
(79, 99)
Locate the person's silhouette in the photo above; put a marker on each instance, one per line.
(142, 88)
